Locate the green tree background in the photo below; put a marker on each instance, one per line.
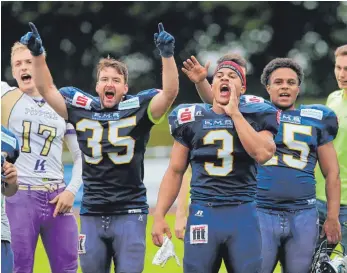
(77, 34)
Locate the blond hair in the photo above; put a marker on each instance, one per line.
(341, 51)
(17, 46)
(120, 67)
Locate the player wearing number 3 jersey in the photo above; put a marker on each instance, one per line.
(113, 131)
(223, 143)
(43, 203)
(286, 196)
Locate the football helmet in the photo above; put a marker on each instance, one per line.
(322, 263)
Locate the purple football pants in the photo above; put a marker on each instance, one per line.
(30, 215)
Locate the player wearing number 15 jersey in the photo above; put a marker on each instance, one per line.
(41, 133)
(113, 131)
(286, 196)
(223, 143)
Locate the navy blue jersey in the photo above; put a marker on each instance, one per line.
(287, 180)
(9, 147)
(113, 142)
(222, 171)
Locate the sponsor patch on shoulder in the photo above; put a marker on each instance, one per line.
(81, 244)
(198, 234)
(312, 113)
(81, 101)
(186, 115)
(253, 99)
(129, 104)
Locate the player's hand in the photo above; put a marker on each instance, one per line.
(159, 228)
(10, 173)
(232, 107)
(180, 226)
(64, 202)
(33, 41)
(332, 230)
(194, 70)
(164, 41)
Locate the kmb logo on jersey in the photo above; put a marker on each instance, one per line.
(217, 123)
(186, 115)
(198, 234)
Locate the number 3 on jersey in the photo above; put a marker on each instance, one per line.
(94, 142)
(224, 154)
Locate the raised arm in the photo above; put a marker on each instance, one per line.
(198, 74)
(259, 145)
(41, 74)
(182, 207)
(328, 163)
(162, 102)
(168, 191)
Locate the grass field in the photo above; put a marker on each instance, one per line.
(42, 264)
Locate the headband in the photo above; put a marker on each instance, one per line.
(235, 67)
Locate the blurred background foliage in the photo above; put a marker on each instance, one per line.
(77, 34)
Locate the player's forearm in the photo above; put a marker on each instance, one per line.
(182, 200)
(42, 76)
(9, 189)
(170, 79)
(258, 146)
(76, 177)
(204, 91)
(168, 192)
(333, 194)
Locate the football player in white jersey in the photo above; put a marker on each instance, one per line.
(42, 205)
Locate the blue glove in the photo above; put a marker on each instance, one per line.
(33, 41)
(164, 41)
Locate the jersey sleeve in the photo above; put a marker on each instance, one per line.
(9, 145)
(330, 127)
(6, 88)
(76, 98)
(149, 95)
(179, 128)
(265, 115)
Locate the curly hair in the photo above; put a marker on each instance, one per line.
(281, 63)
(236, 58)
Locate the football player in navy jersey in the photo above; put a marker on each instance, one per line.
(223, 143)
(112, 131)
(9, 186)
(286, 185)
(286, 194)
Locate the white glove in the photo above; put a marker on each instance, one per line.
(165, 253)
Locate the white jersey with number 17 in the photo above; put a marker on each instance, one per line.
(40, 131)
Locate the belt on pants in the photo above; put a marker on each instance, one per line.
(47, 187)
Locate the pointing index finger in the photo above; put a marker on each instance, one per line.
(160, 27)
(33, 28)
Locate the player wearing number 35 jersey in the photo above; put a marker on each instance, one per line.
(113, 131)
(286, 196)
(223, 143)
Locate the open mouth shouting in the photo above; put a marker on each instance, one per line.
(225, 90)
(110, 94)
(26, 78)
